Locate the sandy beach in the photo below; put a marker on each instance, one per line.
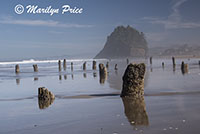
(84, 105)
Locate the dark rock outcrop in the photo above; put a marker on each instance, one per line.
(133, 81)
(124, 42)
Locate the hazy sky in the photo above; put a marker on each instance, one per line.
(164, 22)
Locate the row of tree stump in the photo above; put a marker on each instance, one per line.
(184, 66)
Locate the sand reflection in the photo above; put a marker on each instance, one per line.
(17, 81)
(44, 103)
(135, 111)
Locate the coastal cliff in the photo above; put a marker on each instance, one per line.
(124, 42)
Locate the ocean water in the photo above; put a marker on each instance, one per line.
(86, 104)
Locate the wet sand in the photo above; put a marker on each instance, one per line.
(84, 105)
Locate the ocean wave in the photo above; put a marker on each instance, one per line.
(45, 61)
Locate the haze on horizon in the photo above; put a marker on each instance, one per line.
(164, 22)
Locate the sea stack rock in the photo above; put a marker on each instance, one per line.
(124, 42)
(133, 81)
(45, 97)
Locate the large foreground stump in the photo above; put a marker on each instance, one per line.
(45, 97)
(133, 81)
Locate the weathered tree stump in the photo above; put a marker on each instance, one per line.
(133, 81)
(127, 61)
(135, 111)
(17, 68)
(116, 68)
(65, 77)
(17, 81)
(35, 79)
(173, 62)
(184, 68)
(84, 75)
(107, 65)
(94, 74)
(64, 64)
(150, 60)
(35, 68)
(94, 65)
(60, 77)
(102, 73)
(84, 66)
(72, 66)
(59, 65)
(163, 64)
(72, 76)
(45, 97)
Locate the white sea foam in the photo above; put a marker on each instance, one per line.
(32, 61)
